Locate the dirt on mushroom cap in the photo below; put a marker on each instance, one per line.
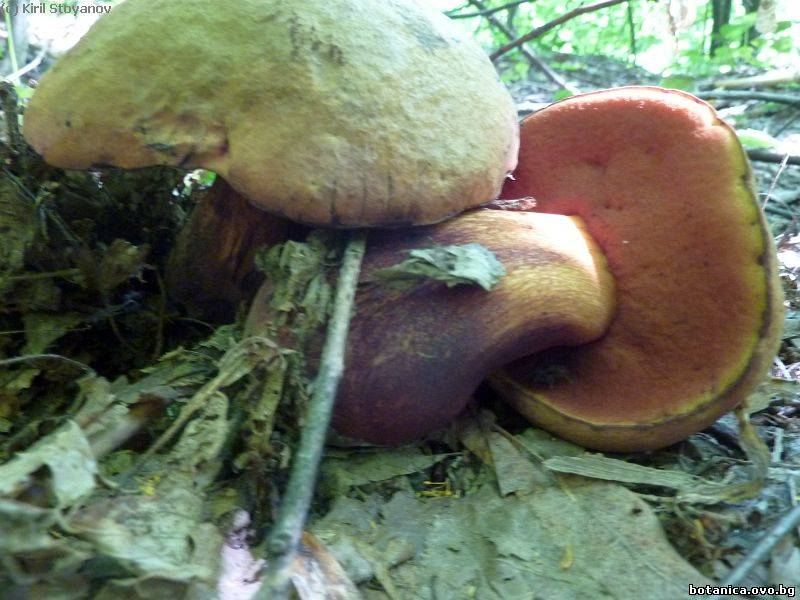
(344, 112)
(664, 186)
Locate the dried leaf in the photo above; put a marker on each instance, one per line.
(354, 469)
(42, 329)
(597, 466)
(770, 390)
(543, 445)
(17, 226)
(105, 269)
(593, 539)
(515, 473)
(68, 456)
(766, 19)
(466, 264)
(316, 574)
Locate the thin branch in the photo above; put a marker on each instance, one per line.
(631, 31)
(771, 78)
(759, 552)
(63, 273)
(748, 95)
(9, 103)
(539, 31)
(534, 60)
(33, 358)
(762, 155)
(775, 180)
(485, 12)
(124, 427)
(285, 535)
(27, 68)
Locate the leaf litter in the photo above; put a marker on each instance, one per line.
(132, 479)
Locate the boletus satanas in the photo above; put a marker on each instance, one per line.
(342, 113)
(652, 281)
(345, 113)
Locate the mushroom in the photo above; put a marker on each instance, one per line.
(666, 193)
(416, 352)
(226, 231)
(345, 113)
(666, 189)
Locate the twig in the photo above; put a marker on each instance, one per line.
(485, 12)
(162, 316)
(63, 273)
(763, 80)
(526, 52)
(12, 51)
(8, 362)
(29, 67)
(9, 101)
(748, 95)
(125, 427)
(762, 155)
(283, 539)
(539, 31)
(631, 31)
(775, 180)
(758, 552)
(233, 365)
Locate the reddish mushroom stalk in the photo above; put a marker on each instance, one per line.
(417, 353)
(211, 268)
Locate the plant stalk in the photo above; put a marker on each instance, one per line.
(282, 542)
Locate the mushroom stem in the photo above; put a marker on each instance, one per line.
(211, 269)
(417, 353)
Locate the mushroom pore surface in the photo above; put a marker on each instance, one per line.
(665, 188)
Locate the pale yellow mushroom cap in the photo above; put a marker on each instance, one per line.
(335, 112)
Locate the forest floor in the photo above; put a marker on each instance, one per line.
(489, 508)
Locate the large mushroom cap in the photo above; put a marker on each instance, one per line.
(666, 190)
(342, 112)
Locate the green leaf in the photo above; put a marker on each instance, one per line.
(753, 138)
(466, 264)
(678, 82)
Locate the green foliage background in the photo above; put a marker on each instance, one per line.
(667, 37)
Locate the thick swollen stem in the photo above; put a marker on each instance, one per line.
(415, 354)
(211, 269)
